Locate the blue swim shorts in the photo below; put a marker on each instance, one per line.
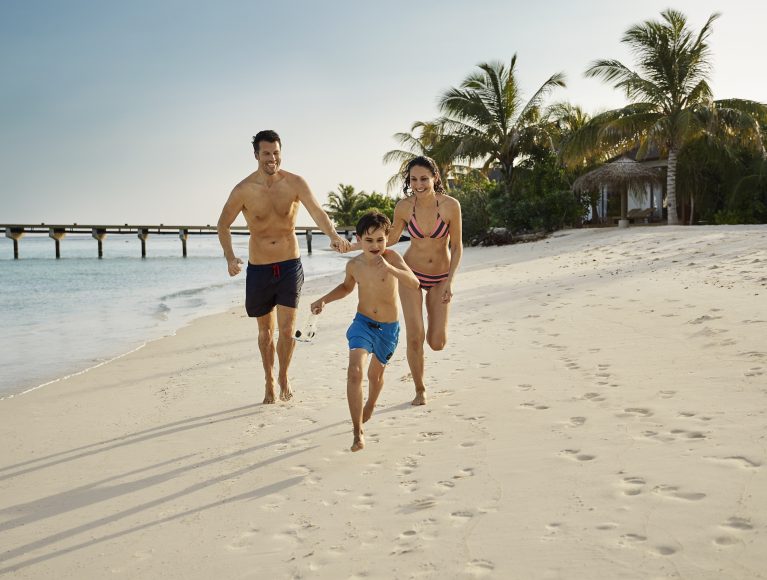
(380, 338)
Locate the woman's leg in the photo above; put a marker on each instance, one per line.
(412, 308)
(437, 314)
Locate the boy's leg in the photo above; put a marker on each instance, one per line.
(376, 382)
(357, 359)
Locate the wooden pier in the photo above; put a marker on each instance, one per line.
(99, 232)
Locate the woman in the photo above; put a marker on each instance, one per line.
(433, 221)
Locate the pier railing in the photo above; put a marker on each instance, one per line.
(99, 232)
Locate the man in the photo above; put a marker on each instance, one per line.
(269, 199)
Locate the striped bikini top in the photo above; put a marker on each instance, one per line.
(441, 227)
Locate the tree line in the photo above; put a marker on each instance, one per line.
(511, 161)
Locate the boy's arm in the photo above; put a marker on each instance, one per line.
(341, 291)
(400, 269)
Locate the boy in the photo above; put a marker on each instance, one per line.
(375, 328)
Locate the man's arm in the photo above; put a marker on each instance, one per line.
(341, 291)
(400, 269)
(232, 209)
(306, 197)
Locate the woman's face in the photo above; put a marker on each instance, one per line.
(421, 180)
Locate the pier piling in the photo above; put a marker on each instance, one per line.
(183, 235)
(99, 234)
(15, 234)
(57, 234)
(143, 234)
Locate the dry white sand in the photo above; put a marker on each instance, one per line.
(599, 412)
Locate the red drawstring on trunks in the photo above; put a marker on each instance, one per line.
(276, 270)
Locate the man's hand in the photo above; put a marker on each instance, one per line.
(235, 266)
(340, 245)
(317, 306)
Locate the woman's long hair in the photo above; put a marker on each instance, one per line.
(427, 163)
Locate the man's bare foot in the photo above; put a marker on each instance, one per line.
(367, 412)
(286, 393)
(269, 397)
(420, 398)
(359, 443)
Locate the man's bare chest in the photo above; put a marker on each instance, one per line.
(264, 203)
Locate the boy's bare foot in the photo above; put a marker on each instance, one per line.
(286, 393)
(359, 443)
(420, 398)
(367, 412)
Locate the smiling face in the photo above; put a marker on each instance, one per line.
(269, 157)
(421, 180)
(373, 241)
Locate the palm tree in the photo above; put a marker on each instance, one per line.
(491, 120)
(425, 138)
(672, 101)
(342, 205)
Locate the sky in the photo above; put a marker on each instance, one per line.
(142, 112)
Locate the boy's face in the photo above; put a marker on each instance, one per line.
(373, 242)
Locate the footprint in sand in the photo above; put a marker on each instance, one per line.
(738, 460)
(577, 455)
(596, 397)
(635, 412)
(633, 485)
(430, 435)
(665, 550)
(364, 502)
(465, 472)
(673, 492)
(480, 568)
(740, 524)
(576, 421)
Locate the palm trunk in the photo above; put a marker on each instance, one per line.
(692, 207)
(673, 218)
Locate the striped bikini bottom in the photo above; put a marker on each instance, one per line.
(429, 280)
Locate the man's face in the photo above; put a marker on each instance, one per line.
(268, 157)
(373, 242)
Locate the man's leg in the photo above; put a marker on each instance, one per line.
(286, 323)
(376, 383)
(412, 309)
(266, 346)
(357, 358)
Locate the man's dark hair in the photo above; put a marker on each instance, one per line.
(373, 221)
(269, 136)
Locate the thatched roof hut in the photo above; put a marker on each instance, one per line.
(622, 174)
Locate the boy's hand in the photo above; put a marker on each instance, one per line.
(317, 306)
(381, 263)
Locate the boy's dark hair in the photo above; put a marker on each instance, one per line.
(268, 136)
(373, 221)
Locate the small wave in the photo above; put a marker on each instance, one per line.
(191, 292)
(161, 312)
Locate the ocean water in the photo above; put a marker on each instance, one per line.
(59, 317)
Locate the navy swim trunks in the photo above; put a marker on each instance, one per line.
(380, 338)
(267, 285)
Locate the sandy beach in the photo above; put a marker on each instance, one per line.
(600, 411)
